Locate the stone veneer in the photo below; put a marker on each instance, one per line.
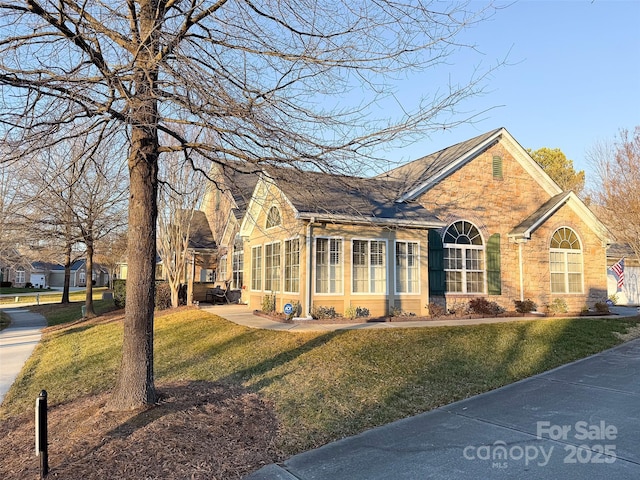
(497, 205)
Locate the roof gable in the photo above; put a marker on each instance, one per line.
(546, 211)
(200, 236)
(420, 175)
(337, 198)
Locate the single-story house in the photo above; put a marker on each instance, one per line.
(100, 275)
(478, 219)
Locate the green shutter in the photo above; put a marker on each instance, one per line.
(493, 265)
(497, 166)
(436, 265)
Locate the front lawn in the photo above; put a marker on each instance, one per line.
(12, 290)
(51, 296)
(323, 386)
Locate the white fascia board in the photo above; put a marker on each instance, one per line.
(530, 165)
(383, 222)
(527, 233)
(470, 155)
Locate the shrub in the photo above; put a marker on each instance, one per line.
(6, 284)
(120, 293)
(163, 296)
(482, 306)
(459, 308)
(269, 303)
(525, 306)
(558, 305)
(356, 312)
(295, 310)
(601, 307)
(28, 285)
(321, 312)
(436, 310)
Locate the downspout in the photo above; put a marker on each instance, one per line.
(521, 262)
(308, 294)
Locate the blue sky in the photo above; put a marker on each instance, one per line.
(573, 78)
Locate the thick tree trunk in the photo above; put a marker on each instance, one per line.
(135, 386)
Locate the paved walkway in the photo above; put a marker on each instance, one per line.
(241, 315)
(16, 344)
(579, 421)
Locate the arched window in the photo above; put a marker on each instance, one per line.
(464, 264)
(20, 275)
(273, 217)
(565, 262)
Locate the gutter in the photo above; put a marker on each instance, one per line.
(353, 220)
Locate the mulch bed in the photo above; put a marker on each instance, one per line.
(198, 430)
(279, 317)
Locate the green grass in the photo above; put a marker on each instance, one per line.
(323, 385)
(76, 296)
(58, 314)
(12, 290)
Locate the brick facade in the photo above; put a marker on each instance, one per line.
(498, 205)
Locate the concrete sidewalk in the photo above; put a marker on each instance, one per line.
(242, 315)
(579, 421)
(16, 344)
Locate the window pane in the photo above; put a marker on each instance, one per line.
(454, 281)
(475, 282)
(328, 265)
(292, 266)
(407, 267)
(557, 283)
(256, 268)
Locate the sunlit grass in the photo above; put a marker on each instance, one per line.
(323, 385)
(48, 297)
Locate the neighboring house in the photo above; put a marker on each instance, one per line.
(14, 268)
(18, 274)
(478, 219)
(41, 274)
(79, 277)
(625, 291)
(122, 269)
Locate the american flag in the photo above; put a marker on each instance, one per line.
(618, 269)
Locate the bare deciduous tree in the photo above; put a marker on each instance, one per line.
(294, 82)
(616, 167)
(180, 193)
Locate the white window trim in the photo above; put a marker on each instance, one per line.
(565, 252)
(464, 248)
(266, 221)
(315, 266)
(234, 262)
(284, 265)
(387, 267)
(261, 270)
(264, 267)
(395, 273)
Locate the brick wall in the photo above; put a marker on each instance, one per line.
(497, 205)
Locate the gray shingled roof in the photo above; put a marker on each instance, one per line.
(342, 197)
(539, 215)
(240, 179)
(423, 170)
(200, 236)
